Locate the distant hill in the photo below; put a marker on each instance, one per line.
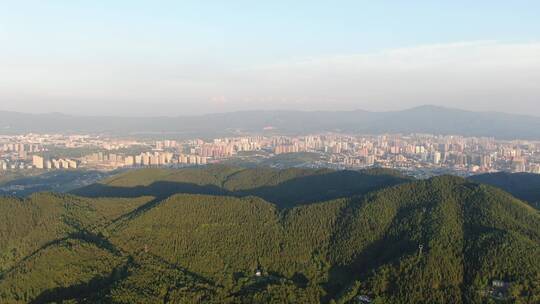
(525, 186)
(441, 240)
(424, 119)
(286, 188)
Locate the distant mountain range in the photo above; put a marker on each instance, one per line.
(424, 119)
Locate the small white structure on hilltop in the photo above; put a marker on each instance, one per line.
(364, 299)
(500, 284)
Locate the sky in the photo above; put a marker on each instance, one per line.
(146, 58)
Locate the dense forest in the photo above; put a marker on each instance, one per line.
(525, 186)
(231, 235)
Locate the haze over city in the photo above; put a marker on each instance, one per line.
(142, 58)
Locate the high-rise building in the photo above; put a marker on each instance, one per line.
(55, 164)
(183, 159)
(129, 161)
(518, 165)
(38, 162)
(63, 164)
(162, 158)
(436, 157)
(370, 160)
(71, 164)
(145, 160)
(154, 160)
(485, 162)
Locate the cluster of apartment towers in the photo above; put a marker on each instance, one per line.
(39, 162)
(156, 158)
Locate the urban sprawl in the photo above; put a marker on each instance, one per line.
(414, 152)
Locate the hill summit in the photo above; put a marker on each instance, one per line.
(369, 236)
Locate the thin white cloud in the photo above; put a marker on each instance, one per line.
(478, 75)
(482, 75)
(480, 53)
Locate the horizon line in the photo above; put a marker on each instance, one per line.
(425, 106)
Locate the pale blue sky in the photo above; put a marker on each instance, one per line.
(187, 57)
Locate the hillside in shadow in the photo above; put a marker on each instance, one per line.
(525, 186)
(440, 240)
(284, 188)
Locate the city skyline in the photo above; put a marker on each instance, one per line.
(421, 155)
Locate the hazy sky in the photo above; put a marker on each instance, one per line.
(187, 57)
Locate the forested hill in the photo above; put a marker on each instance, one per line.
(525, 186)
(442, 240)
(285, 188)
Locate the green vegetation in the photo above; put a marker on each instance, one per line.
(270, 236)
(525, 186)
(8, 176)
(285, 188)
(288, 160)
(33, 181)
(65, 152)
